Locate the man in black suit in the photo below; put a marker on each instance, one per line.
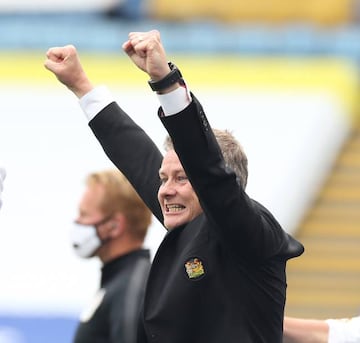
(219, 274)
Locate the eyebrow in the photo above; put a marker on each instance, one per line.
(176, 171)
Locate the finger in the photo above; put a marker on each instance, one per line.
(55, 54)
(127, 47)
(138, 38)
(50, 65)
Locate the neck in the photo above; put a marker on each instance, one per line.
(113, 249)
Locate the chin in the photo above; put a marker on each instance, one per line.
(171, 224)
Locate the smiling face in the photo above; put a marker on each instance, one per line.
(176, 196)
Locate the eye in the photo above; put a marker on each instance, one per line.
(162, 180)
(182, 178)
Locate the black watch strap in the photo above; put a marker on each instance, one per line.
(170, 79)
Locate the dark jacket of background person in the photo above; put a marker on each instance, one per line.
(113, 314)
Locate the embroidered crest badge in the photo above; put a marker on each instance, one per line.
(194, 268)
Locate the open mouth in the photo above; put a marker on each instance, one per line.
(174, 208)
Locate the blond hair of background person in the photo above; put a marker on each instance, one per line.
(299, 330)
(112, 224)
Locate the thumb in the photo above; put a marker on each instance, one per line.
(51, 65)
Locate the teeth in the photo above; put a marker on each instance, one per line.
(174, 208)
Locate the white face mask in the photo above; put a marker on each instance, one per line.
(85, 240)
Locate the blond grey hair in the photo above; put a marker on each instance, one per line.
(233, 153)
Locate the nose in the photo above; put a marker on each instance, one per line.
(167, 189)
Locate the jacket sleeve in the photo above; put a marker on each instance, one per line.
(132, 151)
(245, 226)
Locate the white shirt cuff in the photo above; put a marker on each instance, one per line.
(95, 101)
(175, 101)
(344, 330)
(99, 97)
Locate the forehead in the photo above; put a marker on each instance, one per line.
(92, 197)
(171, 163)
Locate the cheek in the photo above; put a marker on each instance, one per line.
(196, 208)
(160, 199)
(159, 194)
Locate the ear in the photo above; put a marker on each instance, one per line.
(117, 225)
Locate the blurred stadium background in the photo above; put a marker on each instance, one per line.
(282, 74)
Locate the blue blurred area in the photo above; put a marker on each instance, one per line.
(36, 329)
(94, 31)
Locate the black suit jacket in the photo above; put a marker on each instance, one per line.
(220, 278)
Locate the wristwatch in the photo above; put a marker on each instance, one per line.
(170, 79)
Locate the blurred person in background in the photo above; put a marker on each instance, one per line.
(219, 274)
(2, 178)
(127, 10)
(112, 224)
(7, 333)
(299, 330)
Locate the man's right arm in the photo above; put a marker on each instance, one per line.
(123, 141)
(131, 150)
(95, 101)
(64, 63)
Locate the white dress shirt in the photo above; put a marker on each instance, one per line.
(98, 98)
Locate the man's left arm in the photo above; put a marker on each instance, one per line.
(299, 330)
